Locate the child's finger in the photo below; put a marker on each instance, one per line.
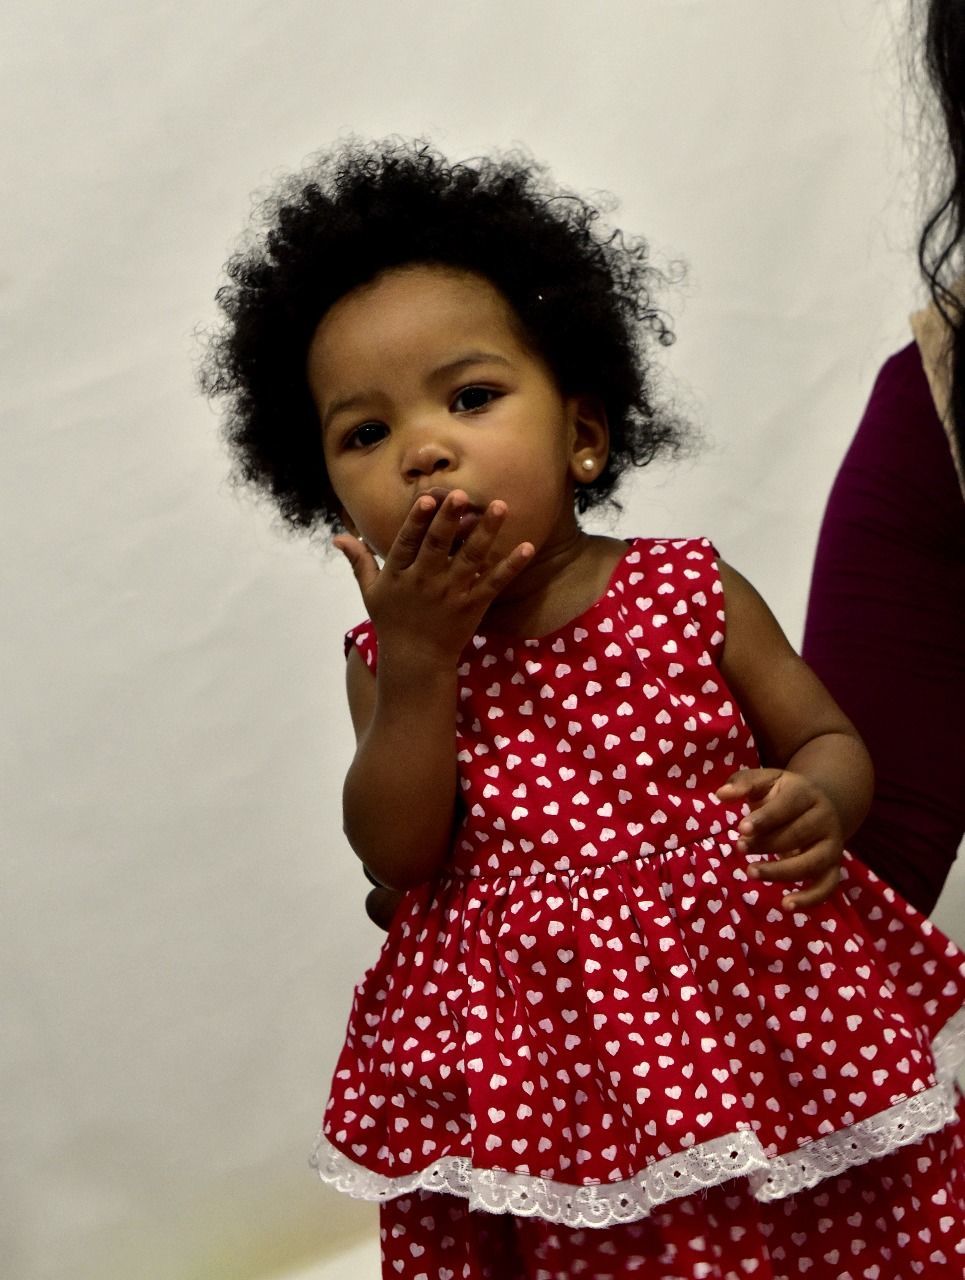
(409, 539)
(475, 555)
(360, 558)
(803, 865)
(499, 578)
(751, 785)
(784, 822)
(815, 893)
(435, 551)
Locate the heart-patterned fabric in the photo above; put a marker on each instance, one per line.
(593, 1010)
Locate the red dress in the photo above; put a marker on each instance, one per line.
(593, 1015)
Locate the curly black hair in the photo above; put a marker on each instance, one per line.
(582, 296)
(941, 246)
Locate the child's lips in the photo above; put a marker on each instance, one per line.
(467, 522)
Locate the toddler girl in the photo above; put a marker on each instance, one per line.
(599, 1040)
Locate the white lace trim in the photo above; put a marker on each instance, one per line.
(906, 1122)
(523, 1195)
(684, 1173)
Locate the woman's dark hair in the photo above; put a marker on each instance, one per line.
(581, 294)
(941, 243)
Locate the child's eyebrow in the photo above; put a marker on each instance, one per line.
(341, 405)
(470, 357)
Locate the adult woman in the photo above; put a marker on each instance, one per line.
(886, 618)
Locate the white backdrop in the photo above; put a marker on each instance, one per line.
(183, 920)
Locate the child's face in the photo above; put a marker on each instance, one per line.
(423, 382)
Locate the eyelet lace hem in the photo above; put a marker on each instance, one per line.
(682, 1174)
(523, 1195)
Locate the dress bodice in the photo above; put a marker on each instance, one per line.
(606, 739)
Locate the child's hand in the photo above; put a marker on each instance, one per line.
(795, 819)
(425, 598)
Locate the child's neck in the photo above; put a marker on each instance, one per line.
(557, 587)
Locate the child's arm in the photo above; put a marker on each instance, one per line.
(818, 788)
(399, 798)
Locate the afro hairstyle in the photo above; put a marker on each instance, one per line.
(582, 295)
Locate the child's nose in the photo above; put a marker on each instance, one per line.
(425, 457)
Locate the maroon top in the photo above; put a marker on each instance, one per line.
(886, 627)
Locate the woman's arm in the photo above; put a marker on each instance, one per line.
(816, 785)
(890, 563)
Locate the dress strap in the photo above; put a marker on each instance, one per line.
(363, 638)
(684, 568)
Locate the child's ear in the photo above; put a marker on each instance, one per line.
(590, 443)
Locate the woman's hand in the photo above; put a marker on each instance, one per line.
(428, 599)
(381, 905)
(792, 818)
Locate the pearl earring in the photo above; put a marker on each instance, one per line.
(588, 464)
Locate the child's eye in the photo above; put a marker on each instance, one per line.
(367, 434)
(470, 398)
